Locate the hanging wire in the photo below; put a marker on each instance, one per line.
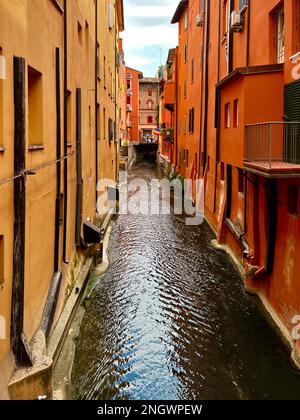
(33, 171)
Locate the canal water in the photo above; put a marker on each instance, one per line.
(171, 320)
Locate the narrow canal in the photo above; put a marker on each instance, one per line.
(170, 320)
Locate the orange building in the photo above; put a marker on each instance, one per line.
(168, 111)
(132, 89)
(238, 124)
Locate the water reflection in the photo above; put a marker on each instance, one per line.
(170, 320)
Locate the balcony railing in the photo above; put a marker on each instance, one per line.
(168, 135)
(273, 146)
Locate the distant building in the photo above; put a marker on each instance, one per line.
(148, 107)
(132, 103)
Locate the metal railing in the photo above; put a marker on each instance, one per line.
(273, 142)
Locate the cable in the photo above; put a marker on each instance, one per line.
(27, 172)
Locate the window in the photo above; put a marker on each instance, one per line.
(296, 26)
(98, 60)
(69, 118)
(150, 119)
(292, 199)
(192, 70)
(104, 71)
(128, 84)
(150, 92)
(222, 175)
(110, 14)
(225, 17)
(186, 21)
(110, 129)
(191, 120)
(98, 123)
(104, 123)
(79, 32)
(241, 181)
(128, 100)
(35, 107)
(279, 35)
(184, 90)
(185, 53)
(2, 77)
(227, 116)
(236, 113)
(1, 259)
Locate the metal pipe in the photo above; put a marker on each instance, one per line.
(96, 102)
(58, 164)
(65, 131)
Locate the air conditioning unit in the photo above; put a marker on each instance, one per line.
(200, 19)
(236, 21)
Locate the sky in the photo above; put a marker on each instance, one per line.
(147, 29)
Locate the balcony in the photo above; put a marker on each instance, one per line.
(168, 135)
(129, 92)
(129, 76)
(272, 149)
(129, 108)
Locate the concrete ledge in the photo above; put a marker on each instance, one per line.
(61, 329)
(29, 384)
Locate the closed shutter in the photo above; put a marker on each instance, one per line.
(292, 114)
(292, 101)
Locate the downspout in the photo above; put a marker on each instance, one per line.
(65, 131)
(206, 85)
(248, 34)
(230, 47)
(176, 122)
(58, 165)
(116, 94)
(96, 103)
(217, 113)
(201, 101)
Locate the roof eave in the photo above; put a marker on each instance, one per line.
(179, 11)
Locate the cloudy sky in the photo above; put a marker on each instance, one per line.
(148, 28)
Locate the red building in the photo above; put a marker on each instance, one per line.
(238, 96)
(132, 103)
(168, 110)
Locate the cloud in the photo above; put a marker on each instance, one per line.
(147, 32)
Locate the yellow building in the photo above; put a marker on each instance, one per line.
(59, 107)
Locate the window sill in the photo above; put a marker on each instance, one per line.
(35, 147)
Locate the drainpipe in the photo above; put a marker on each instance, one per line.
(65, 131)
(176, 84)
(96, 102)
(248, 34)
(58, 165)
(116, 93)
(217, 113)
(230, 46)
(206, 85)
(201, 101)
